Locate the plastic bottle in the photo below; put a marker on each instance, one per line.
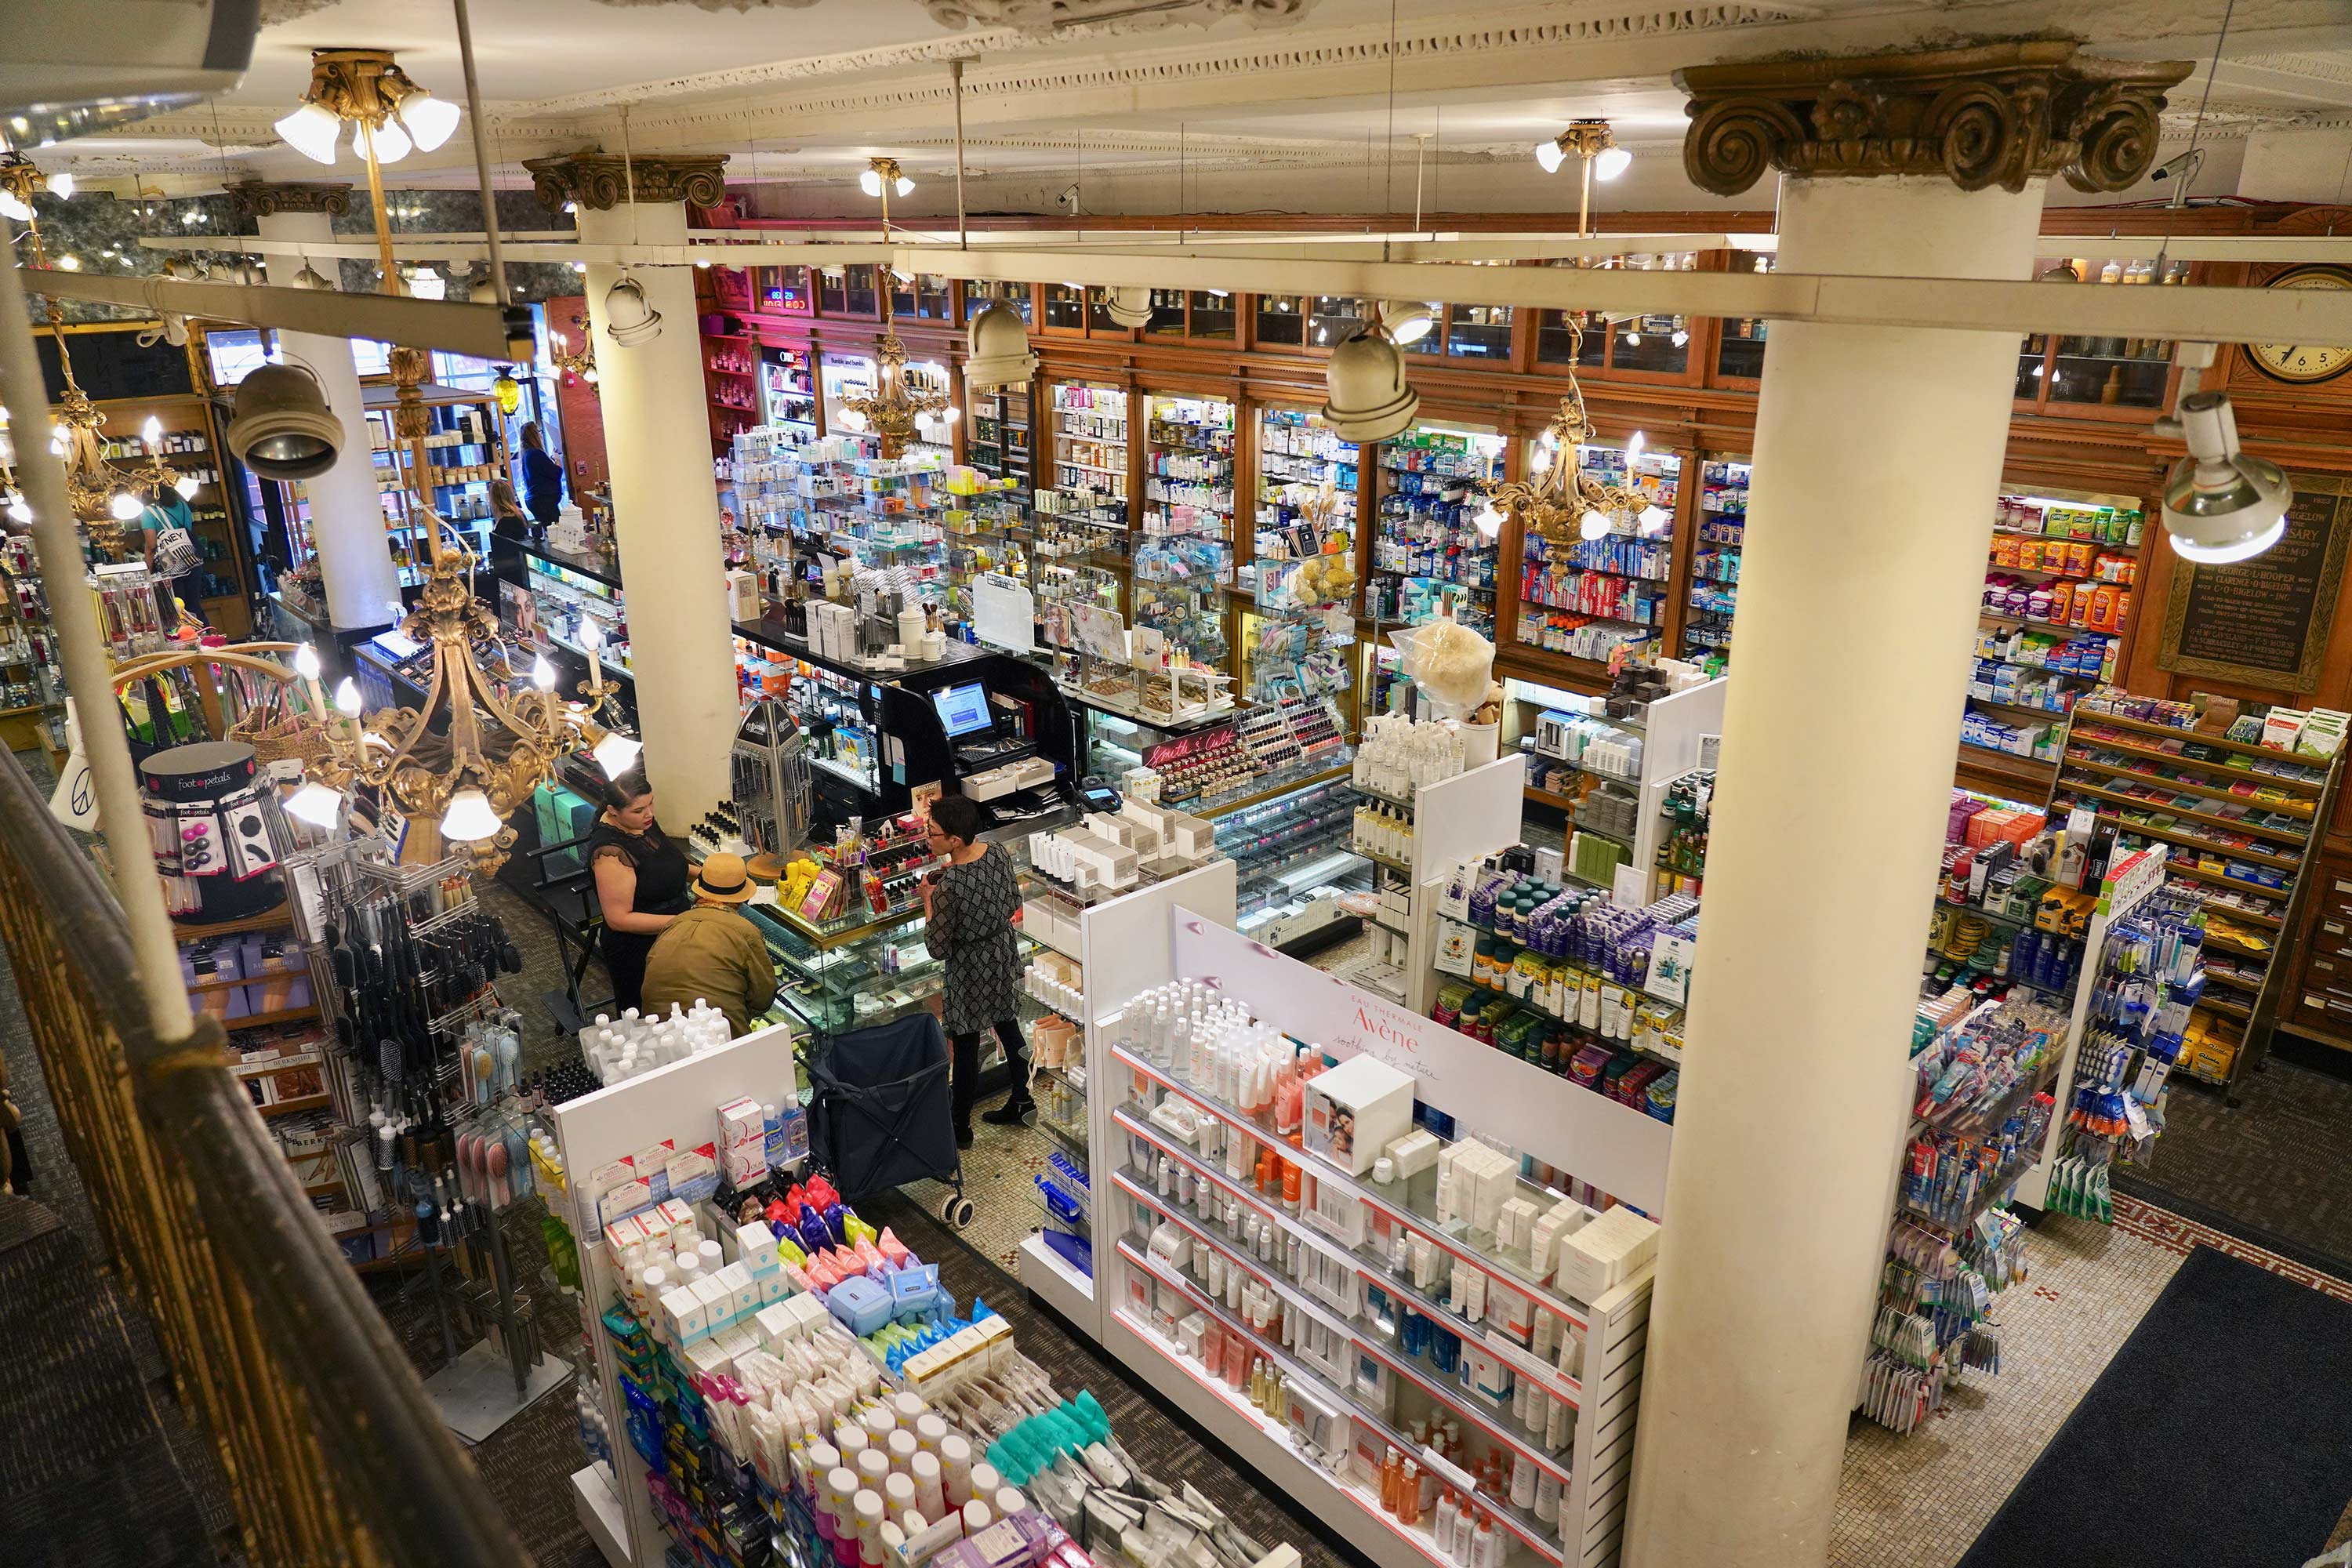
(930, 1497)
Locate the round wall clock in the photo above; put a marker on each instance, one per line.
(2303, 363)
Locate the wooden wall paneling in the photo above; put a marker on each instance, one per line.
(1682, 573)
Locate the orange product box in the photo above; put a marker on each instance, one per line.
(2061, 600)
(2078, 556)
(2004, 550)
(1994, 824)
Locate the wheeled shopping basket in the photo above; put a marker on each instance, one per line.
(880, 1111)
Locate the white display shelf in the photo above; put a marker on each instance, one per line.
(1052, 1279)
(1389, 1204)
(1530, 1531)
(599, 1513)
(1411, 1369)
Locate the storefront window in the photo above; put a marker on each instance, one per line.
(1212, 314)
(782, 290)
(978, 297)
(1065, 305)
(1167, 313)
(1741, 352)
(1279, 321)
(1479, 331)
(864, 298)
(1567, 337)
(1334, 320)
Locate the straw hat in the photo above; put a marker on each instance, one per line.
(722, 879)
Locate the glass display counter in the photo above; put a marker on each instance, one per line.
(844, 979)
(839, 715)
(576, 600)
(1425, 537)
(787, 397)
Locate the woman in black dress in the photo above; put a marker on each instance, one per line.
(968, 905)
(641, 882)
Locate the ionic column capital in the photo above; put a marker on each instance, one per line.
(598, 181)
(1998, 115)
(267, 198)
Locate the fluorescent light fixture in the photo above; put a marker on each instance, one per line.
(311, 130)
(469, 818)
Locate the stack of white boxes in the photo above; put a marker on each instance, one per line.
(745, 1305)
(742, 1143)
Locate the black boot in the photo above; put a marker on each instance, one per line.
(1010, 1113)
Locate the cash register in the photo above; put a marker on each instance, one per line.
(992, 761)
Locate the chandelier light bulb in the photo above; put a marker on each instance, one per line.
(870, 182)
(542, 674)
(1593, 525)
(1489, 520)
(152, 432)
(616, 754)
(186, 487)
(306, 662)
(906, 186)
(1653, 518)
(17, 510)
(69, 263)
(390, 142)
(61, 186)
(579, 266)
(428, 120)
(1681, 337)
(1633, 338)
(347, 699)
(316, 803)
(1550, 154)
(1633, 449)
(1611, 163)
(10, 206)
(311, 130)
(592, 634)
(469, 818)
(125, 507)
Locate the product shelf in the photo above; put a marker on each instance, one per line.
(2186, 840)
(1522, 1523)
(2299, 807)
(2088, 717)
(2205, 818)
(1400, 1208)
(2221, 879)
(2192, 737)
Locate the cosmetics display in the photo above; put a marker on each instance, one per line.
(1424, 534)
(578, 604)
(786, 395)
(1084, 479)
(2234, 798)
(1184, 549)
(1307, 1248)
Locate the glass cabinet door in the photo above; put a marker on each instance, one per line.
(1426, 539)
(1184, 556)
(1588, 597)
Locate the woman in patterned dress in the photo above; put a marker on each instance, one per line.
(969, 904)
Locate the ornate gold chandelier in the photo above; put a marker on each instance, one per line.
(477, 747)
(582, 365)
(890, 410)
(104, 495)
(1565, 504)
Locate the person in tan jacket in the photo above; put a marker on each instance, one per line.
(713, 952)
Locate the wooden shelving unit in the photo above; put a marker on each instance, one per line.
(2108, 757)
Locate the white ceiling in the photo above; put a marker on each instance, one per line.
(802, 93)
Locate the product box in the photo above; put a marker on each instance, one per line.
(1354, 1111)
(1603, 1253)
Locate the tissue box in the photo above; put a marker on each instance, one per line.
(1354, 1111)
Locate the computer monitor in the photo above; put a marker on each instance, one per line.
(963, 710)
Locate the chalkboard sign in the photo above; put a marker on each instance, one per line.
(2264, 622)
(112, 364)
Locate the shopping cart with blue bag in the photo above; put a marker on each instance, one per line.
(880, 1114)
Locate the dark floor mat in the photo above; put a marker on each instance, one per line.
(2219, 1434)
(87, 1476)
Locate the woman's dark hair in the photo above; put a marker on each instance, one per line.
(957, 816)
(531, 437)
(630, 787)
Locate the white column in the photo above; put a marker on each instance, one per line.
(346, 514)
(1877, 462)
(666, 513)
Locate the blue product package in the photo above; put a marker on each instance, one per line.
(859, 1305)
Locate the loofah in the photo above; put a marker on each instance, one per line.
(1452, 663)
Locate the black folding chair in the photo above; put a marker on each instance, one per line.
(881, 1113)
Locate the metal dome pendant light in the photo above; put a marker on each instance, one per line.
(888, 413)
(1129, 307)
(998, 351)
(630, 319)
(1370, 398)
